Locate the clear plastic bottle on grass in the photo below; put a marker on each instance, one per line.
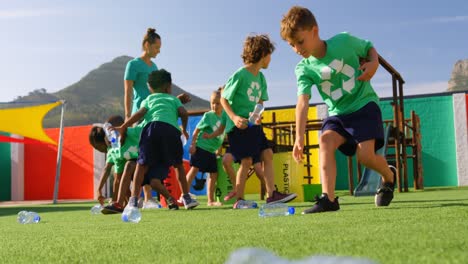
(245, 204)
(276, 209)
(96, 209)
(131, 214)
(26, 217)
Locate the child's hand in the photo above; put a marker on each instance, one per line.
(100, 198)
(206, 135)
(122, 132)
(369, 68)
(240, 122)
(298, 150)
(184, 98)
(193, 149)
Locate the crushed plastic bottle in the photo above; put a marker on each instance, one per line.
(112, 135)
(245, 204)
(26, 217)
(276, 209)
(96, 209)
(256, 114)
(131, 214)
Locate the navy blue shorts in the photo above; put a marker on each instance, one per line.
(255, 159)
(362, 125)
(160, 145)
(155, 172)
(204, 160)
(249, 142)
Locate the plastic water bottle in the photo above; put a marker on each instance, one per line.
(131, 214)
(256, 114)
(112, 135)
(276, 209)
(25, 217)
(96, 209)
(246, 204)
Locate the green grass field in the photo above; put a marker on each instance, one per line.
(428, 226)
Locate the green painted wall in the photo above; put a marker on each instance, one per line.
(5, 171)
(438, 141)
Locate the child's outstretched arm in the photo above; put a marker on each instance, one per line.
(184, 118)
(130, 121)
(370, 66)
(302, 108)
(239, 122)
(184, 98)
(217, 132)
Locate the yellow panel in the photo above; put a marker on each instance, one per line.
(26, 121)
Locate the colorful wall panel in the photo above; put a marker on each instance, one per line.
(5, 171)
(76, 180)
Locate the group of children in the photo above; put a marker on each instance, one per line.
(340, 67)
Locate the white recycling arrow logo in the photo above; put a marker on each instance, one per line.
(341, 68)
(254, 87)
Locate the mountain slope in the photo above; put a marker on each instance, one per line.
(97, 96)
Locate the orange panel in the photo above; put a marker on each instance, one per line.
(76, 174)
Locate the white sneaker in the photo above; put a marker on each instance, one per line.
(190, 203)
(151, 204)
(181, 200)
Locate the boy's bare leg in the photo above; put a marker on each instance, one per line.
(181, 178)
(158, 186)
(367, 156)
(228, 160)
(258, 167)
(147, 192)
(192, 173)
(138, 177)
(212, 186)
(329, 142)
(242, 177)
(267, 157)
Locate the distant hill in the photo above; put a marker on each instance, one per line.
(96, 96)
(459, 78)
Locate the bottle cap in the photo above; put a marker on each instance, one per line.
(291, 210)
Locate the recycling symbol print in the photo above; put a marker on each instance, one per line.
(346, 85)
(254, 92)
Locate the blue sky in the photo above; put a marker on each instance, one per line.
(52, 44)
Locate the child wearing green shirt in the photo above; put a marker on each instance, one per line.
(244, 89)
(355, 122)
(160, 146)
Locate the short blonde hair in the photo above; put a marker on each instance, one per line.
(296, 19)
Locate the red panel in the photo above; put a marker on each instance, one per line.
(76, 174)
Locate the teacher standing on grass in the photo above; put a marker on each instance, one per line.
(137, 71)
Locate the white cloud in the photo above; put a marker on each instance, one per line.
(27, 13)
(450, 19)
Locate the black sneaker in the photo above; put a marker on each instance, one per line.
(384, 194)
(171, 204)
(323, 204)
(114, 208)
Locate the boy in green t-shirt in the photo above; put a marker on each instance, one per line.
(244, 89)
(160, 146)
(203, 150)
(355, 122)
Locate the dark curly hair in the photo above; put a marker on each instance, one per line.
(158, 79)
(257, 47)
